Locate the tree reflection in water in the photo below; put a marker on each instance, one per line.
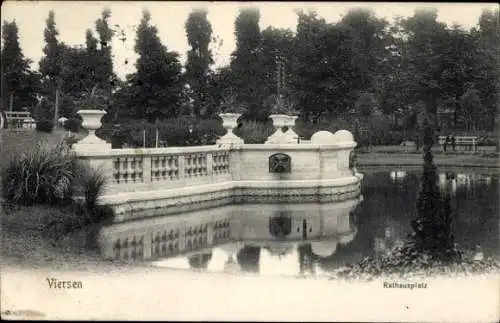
(388, 206)
(249, 258)
(200, 261)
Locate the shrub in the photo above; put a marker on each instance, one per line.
(43, 175)
(485, 141)
(70, 140)
(175, 132)
(305, 129)
(367, 131)
(44, 126)
(253, 132)
(73, 124)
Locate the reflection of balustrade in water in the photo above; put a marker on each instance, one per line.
(129, 248)
(157, 238)
(223, 232)
(165, 243)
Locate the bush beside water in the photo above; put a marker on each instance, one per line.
(39, 176)
(406, 260)
(53, 176)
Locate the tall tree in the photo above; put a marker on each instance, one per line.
(246, 62)
(368, 38)
(92, 59)
(77, 73)
(487, 75)
(427, 45)
(307, 58)
(157, 85)
(458, 65)
(323, 75)
(472, 108)
(199, 58)
(19, 83)
(277, 48)
(51, 64)
(432, 227)
(104, 69)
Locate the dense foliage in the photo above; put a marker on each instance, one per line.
(19, 83)
(361, 66)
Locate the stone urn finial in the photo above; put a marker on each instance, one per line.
(280, 137)
(229, 122)
(91, 122)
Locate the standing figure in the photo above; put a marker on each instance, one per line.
(446, 141)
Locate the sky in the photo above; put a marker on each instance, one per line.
(74, 17)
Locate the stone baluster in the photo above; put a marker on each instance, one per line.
(147, 245)
(210, 163)
(146, 168)
(182, 166)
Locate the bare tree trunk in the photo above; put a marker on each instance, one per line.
(11, 102)
(496, 126)
(56, 107)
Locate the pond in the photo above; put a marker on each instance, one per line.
(311, 238)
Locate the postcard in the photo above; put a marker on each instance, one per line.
(250, 161)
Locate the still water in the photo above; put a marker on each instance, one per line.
(308, 238)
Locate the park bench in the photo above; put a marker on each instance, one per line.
(18, 120)
(467, 142)
(301, 139)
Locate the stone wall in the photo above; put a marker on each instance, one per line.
(142, 181)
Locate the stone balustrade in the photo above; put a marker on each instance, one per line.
(186, 178)
(144, 169)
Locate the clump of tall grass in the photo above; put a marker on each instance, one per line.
(91, 185)
(47, 175)
(42, 175)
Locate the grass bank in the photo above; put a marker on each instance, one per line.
(15, 142)
(40, 223)
(482, 160)
(29, 240)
